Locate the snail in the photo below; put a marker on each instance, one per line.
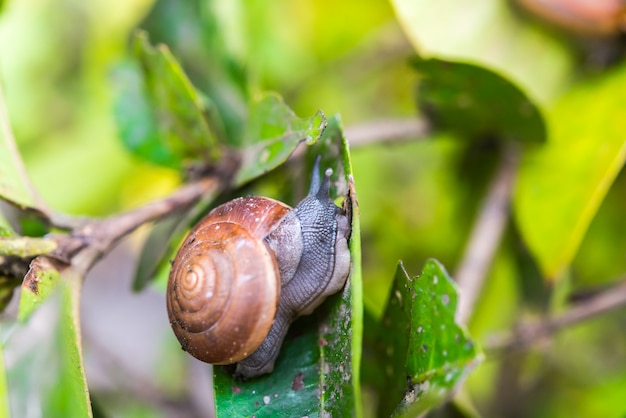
(249, 268)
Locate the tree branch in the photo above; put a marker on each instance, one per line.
(486, 234)
(528, 334)
(387, 130)
(88, 243)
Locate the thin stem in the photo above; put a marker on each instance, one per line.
(528, 334)
(387, 130)
(97, 237)
(486, 234)
(9, 141)
(180, 200)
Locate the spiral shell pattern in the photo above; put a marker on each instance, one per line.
(224, 285)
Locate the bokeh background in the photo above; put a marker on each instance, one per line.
(418, 198)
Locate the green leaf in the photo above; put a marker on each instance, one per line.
(200, 38)
(317, 371)
(38, 285)
(272, 133)
(161, 117)
(14, 185)
(342, 342)
(489, 34)
(62, 390)
(69, 397)
(426, 354)
(473, 102)
(290, 390)
(26, 246)
(562, 183)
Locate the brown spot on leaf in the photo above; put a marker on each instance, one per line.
(31, 280)
(37, 268)
(298, 382)
(32, 283)
(236, 390)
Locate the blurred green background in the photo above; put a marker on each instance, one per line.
(418, 199)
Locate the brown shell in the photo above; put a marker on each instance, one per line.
(224, 285)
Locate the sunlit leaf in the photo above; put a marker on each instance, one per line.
(562, 184)
(272, 133)
(475, 102)
(425, 354)
(488, 33)
(317, 371)
(599, 260)
(161, 117)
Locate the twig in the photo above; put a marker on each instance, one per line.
(528, 334)
(80, 249)
(97, 237)
(486, 234)
(387, 130)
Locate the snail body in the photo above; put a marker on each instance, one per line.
(249, 268)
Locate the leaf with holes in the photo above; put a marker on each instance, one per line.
(424, 352)
(273, 131)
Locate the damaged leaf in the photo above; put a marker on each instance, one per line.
(39, 283)
(425, 354)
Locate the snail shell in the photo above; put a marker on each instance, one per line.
(249, 268)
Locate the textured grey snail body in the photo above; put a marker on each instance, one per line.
(308, 261)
